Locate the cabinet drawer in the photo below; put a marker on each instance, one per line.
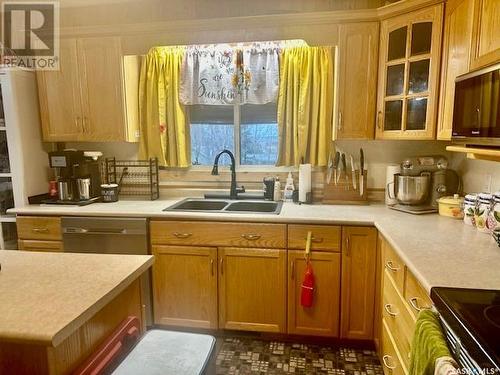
(218, 234)
(398, 318)
(324, 237)
(34, 245)
(415, 295)
(391, 361)
(394, 265)
(39, 228)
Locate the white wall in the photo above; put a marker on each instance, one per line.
(476, 174)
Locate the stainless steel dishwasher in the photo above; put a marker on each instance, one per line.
(110, 236)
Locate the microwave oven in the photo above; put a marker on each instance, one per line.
(476, 109)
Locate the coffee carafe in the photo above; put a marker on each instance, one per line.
(78, 175)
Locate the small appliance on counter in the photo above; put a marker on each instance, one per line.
(421, 182)
(78, 177)
(471, 321)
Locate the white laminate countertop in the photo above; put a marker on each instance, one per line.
(438, 250)
(45, 297)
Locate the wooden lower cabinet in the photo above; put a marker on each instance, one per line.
(252, 289)
(390, 356)
(322, 319)
(36, 245)
(359, 254)
(185, 286)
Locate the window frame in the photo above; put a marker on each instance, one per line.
(237, 150)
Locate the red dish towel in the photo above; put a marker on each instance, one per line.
(307, 292)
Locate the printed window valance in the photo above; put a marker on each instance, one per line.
(225, 74)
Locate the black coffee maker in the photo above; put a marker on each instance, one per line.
(78, 176)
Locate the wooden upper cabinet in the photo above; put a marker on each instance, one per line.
(359, 254)
(456, 58)
(84, 100)
(102, 88)
(358, 58)
(323, 317)
(60, 99)
(485, 34)
(185, 286)
(409, 62)
(252, 289)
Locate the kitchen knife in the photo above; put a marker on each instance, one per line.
(361, 171)
(329, 168)
(353, 175)
(335, 166)
(344, 168)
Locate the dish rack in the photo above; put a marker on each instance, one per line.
(134, 177)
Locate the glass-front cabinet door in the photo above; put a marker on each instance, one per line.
(408, 75)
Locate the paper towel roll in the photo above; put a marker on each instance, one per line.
(304, 181)
(391, 170)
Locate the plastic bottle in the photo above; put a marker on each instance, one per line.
(277, 190)
(289, 188)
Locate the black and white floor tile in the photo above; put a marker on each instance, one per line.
(244, 355)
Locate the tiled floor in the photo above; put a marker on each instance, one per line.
(243, 355)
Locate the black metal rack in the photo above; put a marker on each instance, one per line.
(135, 177)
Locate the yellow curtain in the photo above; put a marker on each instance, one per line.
(305, 105)
(164, 126)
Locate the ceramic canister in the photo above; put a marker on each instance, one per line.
(470, 202)
(482, 213)
(494, 216)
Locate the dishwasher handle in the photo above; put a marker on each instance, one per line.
(79, 230)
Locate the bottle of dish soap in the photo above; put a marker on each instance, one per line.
(289, 188)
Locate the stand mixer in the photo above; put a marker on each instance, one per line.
(422, 181)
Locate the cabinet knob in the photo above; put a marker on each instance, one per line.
(386, 359)
(388, 309)
(40, 230)
(251, 237)
(414, 304)
(390, 266)
(182, 235)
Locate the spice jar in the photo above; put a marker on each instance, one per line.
(482, 213)
(470, 202)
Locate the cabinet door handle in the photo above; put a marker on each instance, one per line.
(390, 266)
(340, 125)
(378, 120)
(292, 267)
(222, 266)
(385, 359)
(212, 267)
(414, 303)
(182, 235)
(347, 247)
(40, 230)
(251, 237)
(388, 308)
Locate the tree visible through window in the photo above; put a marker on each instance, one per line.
(249, 131)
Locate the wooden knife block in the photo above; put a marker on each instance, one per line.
(343, 192)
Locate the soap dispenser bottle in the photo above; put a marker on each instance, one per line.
(289, 188)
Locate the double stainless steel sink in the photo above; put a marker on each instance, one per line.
(226, 206)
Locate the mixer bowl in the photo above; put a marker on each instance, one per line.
(412, 190)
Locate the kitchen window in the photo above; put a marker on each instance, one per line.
(250, 131)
